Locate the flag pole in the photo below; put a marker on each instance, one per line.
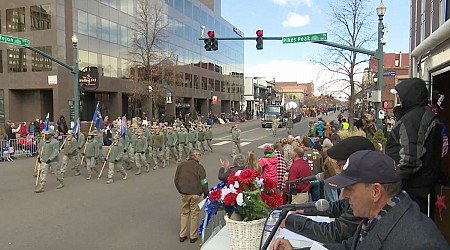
(90, 128)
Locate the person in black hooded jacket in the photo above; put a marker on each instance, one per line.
(415, 142)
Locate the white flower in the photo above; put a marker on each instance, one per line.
(236, 184)
(225, 191)
(238, 173)
(259, 181)
(232, 189)
(240, 200)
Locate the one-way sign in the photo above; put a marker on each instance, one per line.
(14, 40)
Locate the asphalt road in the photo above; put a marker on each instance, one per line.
(142, 212)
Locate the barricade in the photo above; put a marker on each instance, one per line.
(216, 222)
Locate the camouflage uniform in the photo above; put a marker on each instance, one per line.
(158, 149)
(49, 158)
(115, 159)
(171, 145)
(91, 154)
(208, 137)
(140, 146)
(98, 136)
(201, 138)
(192, 139)
(81, 142)
(236, 138)
(182, 143)
(70, 153)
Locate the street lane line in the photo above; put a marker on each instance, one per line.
(245, 143)
(221, 143)
(228, 136)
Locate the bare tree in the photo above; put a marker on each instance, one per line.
(350, 24)
(153, 65)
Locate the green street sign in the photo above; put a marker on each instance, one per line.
(305, 38)
(14, 40)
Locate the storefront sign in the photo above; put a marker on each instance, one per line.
(214, 100)
(89, 77)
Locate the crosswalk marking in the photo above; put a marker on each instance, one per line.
(226, 142)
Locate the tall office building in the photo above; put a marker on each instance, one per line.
(198, 80)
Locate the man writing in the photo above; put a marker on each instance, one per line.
(391, 220)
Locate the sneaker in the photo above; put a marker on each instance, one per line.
(88, 178)
(61, 185)
(109, 181)
(77, 173)
(155, 167)
(125, 177)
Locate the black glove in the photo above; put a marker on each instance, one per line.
(48, 162)
(83, 154)
(142, 152)
(124, 151)
(39, 160)
(79, 148)
(116, 160)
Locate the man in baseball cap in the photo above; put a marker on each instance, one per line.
(370, 181)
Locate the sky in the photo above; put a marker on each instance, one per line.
(293, 62)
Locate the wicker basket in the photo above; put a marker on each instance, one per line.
(244, 235)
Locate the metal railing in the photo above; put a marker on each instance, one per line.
(22, 147)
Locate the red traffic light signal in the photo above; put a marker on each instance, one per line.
(211, 33)
(388, 104)
(259, 39)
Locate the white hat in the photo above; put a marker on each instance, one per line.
(394, 91)
(327, 143)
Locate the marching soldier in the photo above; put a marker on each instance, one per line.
(158, 148)
(91, 155)
(289, 126)
(125, 140)
(49, 158)
(115, 160)
(208, 136)
(192, 138)
(98, 136)
(182, 143)
(149, 133)
(201, 138)
(236, 138)
(172, 142)
(140, 146)
(70, 153)
(275, 124)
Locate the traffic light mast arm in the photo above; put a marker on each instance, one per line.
(42, 53)
(331, 44)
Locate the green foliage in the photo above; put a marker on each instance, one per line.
(379, 140)
(255, 208)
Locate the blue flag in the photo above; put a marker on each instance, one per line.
(47, 122)
(76, 129)
(123, 127)
(97, 118)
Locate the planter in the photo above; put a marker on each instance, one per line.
(244, 234)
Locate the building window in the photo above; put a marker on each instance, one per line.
(87, 24)
(41, 17)
(442, 11)
(39, 62)
(112, 3)
(2, 106)
(17, 60)
(109, 66)
(105, 29)
(15, 20)
(422, 21)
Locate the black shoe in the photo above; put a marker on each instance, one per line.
(182, 239)
(194, 240)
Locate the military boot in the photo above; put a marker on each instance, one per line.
(40, 189)
(89, 177)
(61, 184)
(138, 172)
(148, 168)
(109, 181)
(77, 172)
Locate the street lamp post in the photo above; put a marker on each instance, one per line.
(381, 10)
(76, 86)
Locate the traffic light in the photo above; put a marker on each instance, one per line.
(211, 43)
(259, 39)
(83, 89)
(388, 104)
